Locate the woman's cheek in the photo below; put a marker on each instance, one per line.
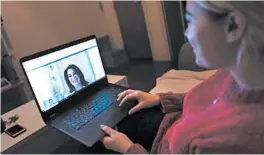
(77, 78)
(192, 38)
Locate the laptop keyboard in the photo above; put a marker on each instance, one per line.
(85, 113)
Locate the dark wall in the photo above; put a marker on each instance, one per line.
(133, 29)
(175, 29)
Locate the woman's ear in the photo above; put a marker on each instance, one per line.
(235, 26)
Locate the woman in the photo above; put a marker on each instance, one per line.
(74, 78)
(224, 114)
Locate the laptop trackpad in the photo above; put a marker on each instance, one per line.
(91, 132)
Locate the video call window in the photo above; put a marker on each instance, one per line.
(55, 81)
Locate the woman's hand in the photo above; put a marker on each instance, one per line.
(115, 140)
(145, 100)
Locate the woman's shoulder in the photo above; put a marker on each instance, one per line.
(219, 74)
(211, 82)
(233, 128)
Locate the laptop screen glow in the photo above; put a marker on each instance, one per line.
(56, 76)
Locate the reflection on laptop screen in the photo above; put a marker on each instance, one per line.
(56, 76)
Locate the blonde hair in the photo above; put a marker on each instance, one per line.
(252, 45)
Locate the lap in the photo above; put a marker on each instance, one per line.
(140, 127)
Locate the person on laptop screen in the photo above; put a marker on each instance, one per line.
(74, 78)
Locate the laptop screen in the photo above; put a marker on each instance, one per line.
(57, 76)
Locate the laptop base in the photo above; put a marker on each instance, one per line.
(90, 133)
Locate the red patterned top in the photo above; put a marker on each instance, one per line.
(215, 117)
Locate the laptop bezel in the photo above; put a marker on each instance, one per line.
(78, 96)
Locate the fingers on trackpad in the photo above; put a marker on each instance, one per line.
(129, 104)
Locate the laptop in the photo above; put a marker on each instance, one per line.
(71, 90)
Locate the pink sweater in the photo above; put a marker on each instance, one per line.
(217, 117)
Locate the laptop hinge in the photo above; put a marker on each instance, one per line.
(51, 116)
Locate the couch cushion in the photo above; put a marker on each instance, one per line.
(180, 81)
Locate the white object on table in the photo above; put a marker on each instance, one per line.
(30, 118)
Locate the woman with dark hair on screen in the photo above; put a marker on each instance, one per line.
(74, 78)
